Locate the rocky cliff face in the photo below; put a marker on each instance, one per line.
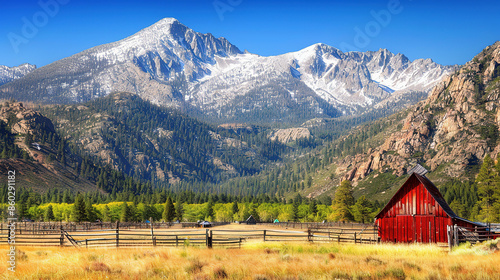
(289, 134)
(452, 130)
(23, 120)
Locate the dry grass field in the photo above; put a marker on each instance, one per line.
(258, 260)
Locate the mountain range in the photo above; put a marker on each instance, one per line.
(171, 65)
(122, 106)
(449, 134)
(8, 74)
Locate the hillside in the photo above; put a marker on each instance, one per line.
(160, 144)
(449, 133)
(31, 148)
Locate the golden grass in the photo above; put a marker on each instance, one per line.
(257, 260)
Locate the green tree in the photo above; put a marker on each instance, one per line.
(179, 210)
(235, 207)
(487, 187)
(49, 214)
(313, 207)
(90, 213)
(126, 214)
(458, 208)
(79, 211)
(309, 181)
(209, 210)
(342, 202)
(254, 212)
(106, 214)
(295, 208)
(362, 210)
(169, 211)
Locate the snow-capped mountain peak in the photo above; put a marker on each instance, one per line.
(173, 65)
(8, 74)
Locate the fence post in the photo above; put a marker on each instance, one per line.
(309, 235)
(455, 235)
(264, 235)
(176, 241)
(117, 234)
(61, 239)
(450, 237)
(209, 238)
(153, 239)
(355, 238)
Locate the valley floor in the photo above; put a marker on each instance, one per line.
(257, 261)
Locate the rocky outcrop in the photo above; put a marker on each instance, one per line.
(23, 120)
(289, 134)
(456, 126)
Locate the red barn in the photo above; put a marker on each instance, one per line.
(417, 213)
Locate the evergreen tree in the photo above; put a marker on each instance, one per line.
(254, 212)
(313, 208)
(106, 214)
(90, 213)
(309, 181)
(343, 201)
(126, 213)
(362, 210)
(209, 210)
(49, 214)
(458, 208)
(179, 211)
(79, 211)
(169, 211)
(486, 181)
(295, 208)
(235, 207)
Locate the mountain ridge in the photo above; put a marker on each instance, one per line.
(8, 74)
(171, 65)
(449, 133)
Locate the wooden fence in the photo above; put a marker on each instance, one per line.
(473, 235)
(141, 236)
(317, 225)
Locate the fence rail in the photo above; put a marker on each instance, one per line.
(457, 234)
(141, 236)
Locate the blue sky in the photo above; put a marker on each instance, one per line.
(449, 32)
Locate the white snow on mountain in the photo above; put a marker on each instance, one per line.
(8, 74)
(172, 65)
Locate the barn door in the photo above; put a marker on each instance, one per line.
(425, 229)
(405, 228)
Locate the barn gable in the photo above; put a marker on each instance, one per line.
(411, 193)
(417, 213)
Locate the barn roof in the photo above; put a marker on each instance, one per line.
(431, 188)
(419, 169)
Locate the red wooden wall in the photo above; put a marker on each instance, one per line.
(413, 215)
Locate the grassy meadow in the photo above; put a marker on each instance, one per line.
(258, 261)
